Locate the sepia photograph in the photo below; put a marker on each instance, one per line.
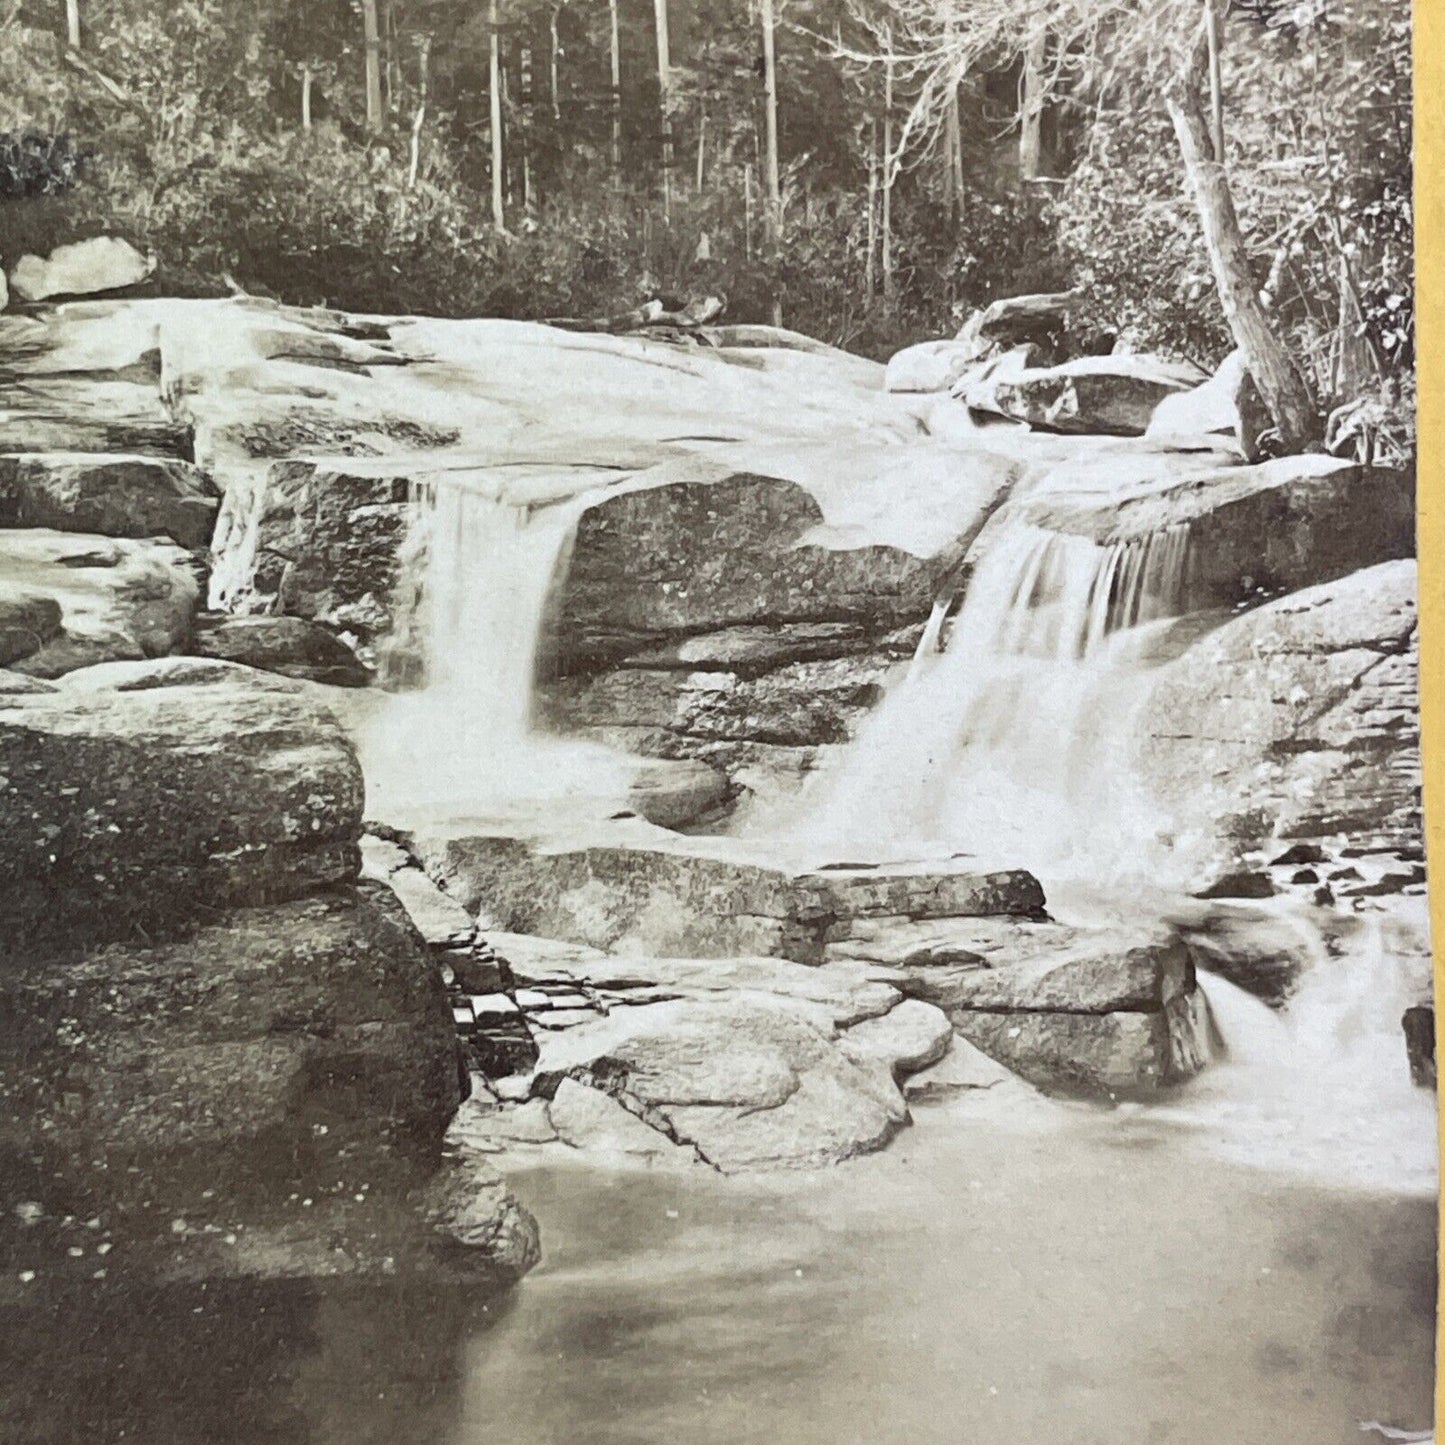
(709, 723)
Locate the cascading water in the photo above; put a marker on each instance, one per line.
(1002, 745)
(1010, 743)
(477, 575)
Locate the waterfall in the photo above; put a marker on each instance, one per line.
(1005, 743)
(1323, 1086)
(477, 575)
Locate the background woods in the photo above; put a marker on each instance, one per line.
(864, 170)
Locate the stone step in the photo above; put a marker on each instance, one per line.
(641, 890)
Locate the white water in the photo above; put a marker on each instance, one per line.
(1007, 744)
(478, 574)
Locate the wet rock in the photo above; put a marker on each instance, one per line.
(1419, 1026)
(441, 921)
(1070, 1009)
(264, 1033)
(290, 646)
(120, 600)
(171, 672)
(1258, 530)
(321, 541)
(1240, 885)
(748, 1085)
(1110, 395)
(109, 495)
(82, 268)
(799, 704)
(1296, 720)
(1298, 853)
(28, 620)
(700, 546)
(963, 1067)
(130, 811)
(673, 794)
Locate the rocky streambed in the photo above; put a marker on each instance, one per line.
(396, 718)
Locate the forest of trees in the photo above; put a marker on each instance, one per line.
(1208, 173)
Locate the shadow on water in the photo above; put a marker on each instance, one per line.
(331, 1362)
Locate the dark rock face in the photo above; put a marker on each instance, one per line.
(114, 496)
(1419, 1026)
(28, 620)
(290, 646)
(124, 812)
(318, 1018)
(704, 548)
(327, 543)
(1275, 527)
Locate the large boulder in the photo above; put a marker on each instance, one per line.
(1074, 1010)
(748, 1084)
(289, 646)
(702, 547)
(1297, 721)
(1252, 530)
(646, 891)
(313, 1020)
(120, 599)
(112, 495)
(122, 814)
(1040, 319)
(1110, 395)
(1208, 408)
(82, 268)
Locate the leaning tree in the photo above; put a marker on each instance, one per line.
(1164, 52)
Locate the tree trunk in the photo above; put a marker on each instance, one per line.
(870, 270)
(1280, 384)
(953, 133)
(419, 120)
(306, 82)
(701, 148)
(886, 241)
(1216, 80)
(494, 89)
(553, 82)
(72, 23)
(664, 86)
(748, 212)
(372, 28)
(1031, 116)
(616, 43)
(770, 88)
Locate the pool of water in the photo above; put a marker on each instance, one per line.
(1056, 1275)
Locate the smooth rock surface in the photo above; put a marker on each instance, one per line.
(81, 268)
(1296, 721)
(748, 1085)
